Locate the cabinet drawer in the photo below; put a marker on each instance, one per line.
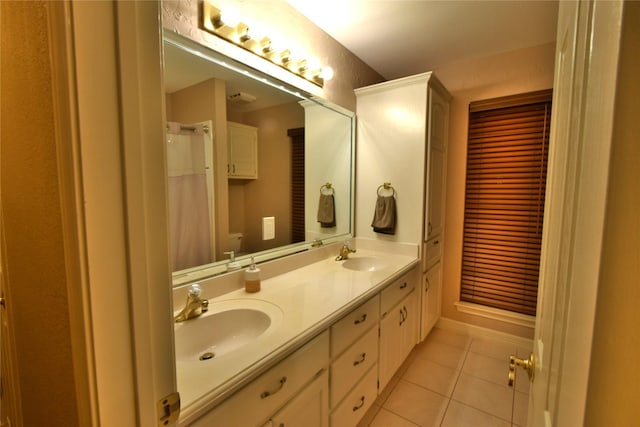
(357, 402)
(349, 328)
(396, 291)
(432, 252)
(351, 366)
(253, 404)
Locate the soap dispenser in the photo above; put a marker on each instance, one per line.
(252, 278)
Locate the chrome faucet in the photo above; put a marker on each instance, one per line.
(345, 250)
(194, 306)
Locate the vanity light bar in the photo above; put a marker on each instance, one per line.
(238, 34)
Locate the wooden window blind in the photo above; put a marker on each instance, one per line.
(297, 184)
(508, 145)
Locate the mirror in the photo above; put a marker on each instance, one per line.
(254, 166)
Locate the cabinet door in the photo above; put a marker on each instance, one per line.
(410, 325)
(397, 338)
(431, 295)
(242, 150)
(436, 161)
(435, 193)
(310, 408)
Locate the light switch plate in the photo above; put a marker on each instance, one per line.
(268, 227)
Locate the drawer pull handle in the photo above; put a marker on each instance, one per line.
(359, 405)
(362, 357)
(404, 285)
(435, 242)
(403, 315)
(361, 319)
(267, 393)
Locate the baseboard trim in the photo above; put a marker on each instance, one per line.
(479, 331)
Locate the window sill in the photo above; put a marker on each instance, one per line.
(496, 314)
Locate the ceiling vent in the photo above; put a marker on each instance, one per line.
(241, 98)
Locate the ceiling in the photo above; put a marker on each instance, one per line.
(399, 38)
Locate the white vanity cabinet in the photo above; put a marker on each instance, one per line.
(270, 394)
(399, 317)
(242, 151)
(431, 296)
(309, 408)
(354, 354)
(335, 378)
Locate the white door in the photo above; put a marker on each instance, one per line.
(586, 63)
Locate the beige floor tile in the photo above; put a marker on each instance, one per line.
(444, 354)
(445, 336)
(459, 415)
(493, 348)
(416, 404)
(520, 408)
(386, 418)
(393, 382)
(369, 416)
(432, 376)
(484, 395)
(487, 367)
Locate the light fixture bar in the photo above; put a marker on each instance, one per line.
(212, 21)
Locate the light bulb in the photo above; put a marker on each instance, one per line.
(326, 73)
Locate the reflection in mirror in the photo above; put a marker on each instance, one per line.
(254, 167)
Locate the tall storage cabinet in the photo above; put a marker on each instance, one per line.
(433, 237)
(403, 128)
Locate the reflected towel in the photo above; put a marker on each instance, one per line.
(326, 211)
(384, 217)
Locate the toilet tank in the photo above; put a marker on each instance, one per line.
(235, 242)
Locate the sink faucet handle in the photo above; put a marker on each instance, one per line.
(195, 290)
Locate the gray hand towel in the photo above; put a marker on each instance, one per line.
(326, 211)
(384, 217)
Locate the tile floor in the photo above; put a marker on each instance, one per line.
(454, 380)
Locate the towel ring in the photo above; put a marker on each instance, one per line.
(327, 187)
(386, 186)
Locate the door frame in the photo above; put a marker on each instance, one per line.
(111, 106)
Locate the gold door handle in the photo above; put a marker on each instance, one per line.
(526, 364)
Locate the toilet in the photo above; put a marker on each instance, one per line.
(235, 242)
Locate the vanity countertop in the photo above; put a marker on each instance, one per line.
(311, 298)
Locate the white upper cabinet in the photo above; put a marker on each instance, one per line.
(436, 164)
(242, 151)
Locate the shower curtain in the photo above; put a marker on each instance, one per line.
(189, 196)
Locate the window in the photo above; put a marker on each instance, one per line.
(297, 184)
(504, 201)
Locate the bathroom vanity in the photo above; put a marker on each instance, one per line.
(340, 332)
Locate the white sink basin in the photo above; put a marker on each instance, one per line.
(226, 327)
(366, 263)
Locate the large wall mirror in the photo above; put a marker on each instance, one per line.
(254, 166)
